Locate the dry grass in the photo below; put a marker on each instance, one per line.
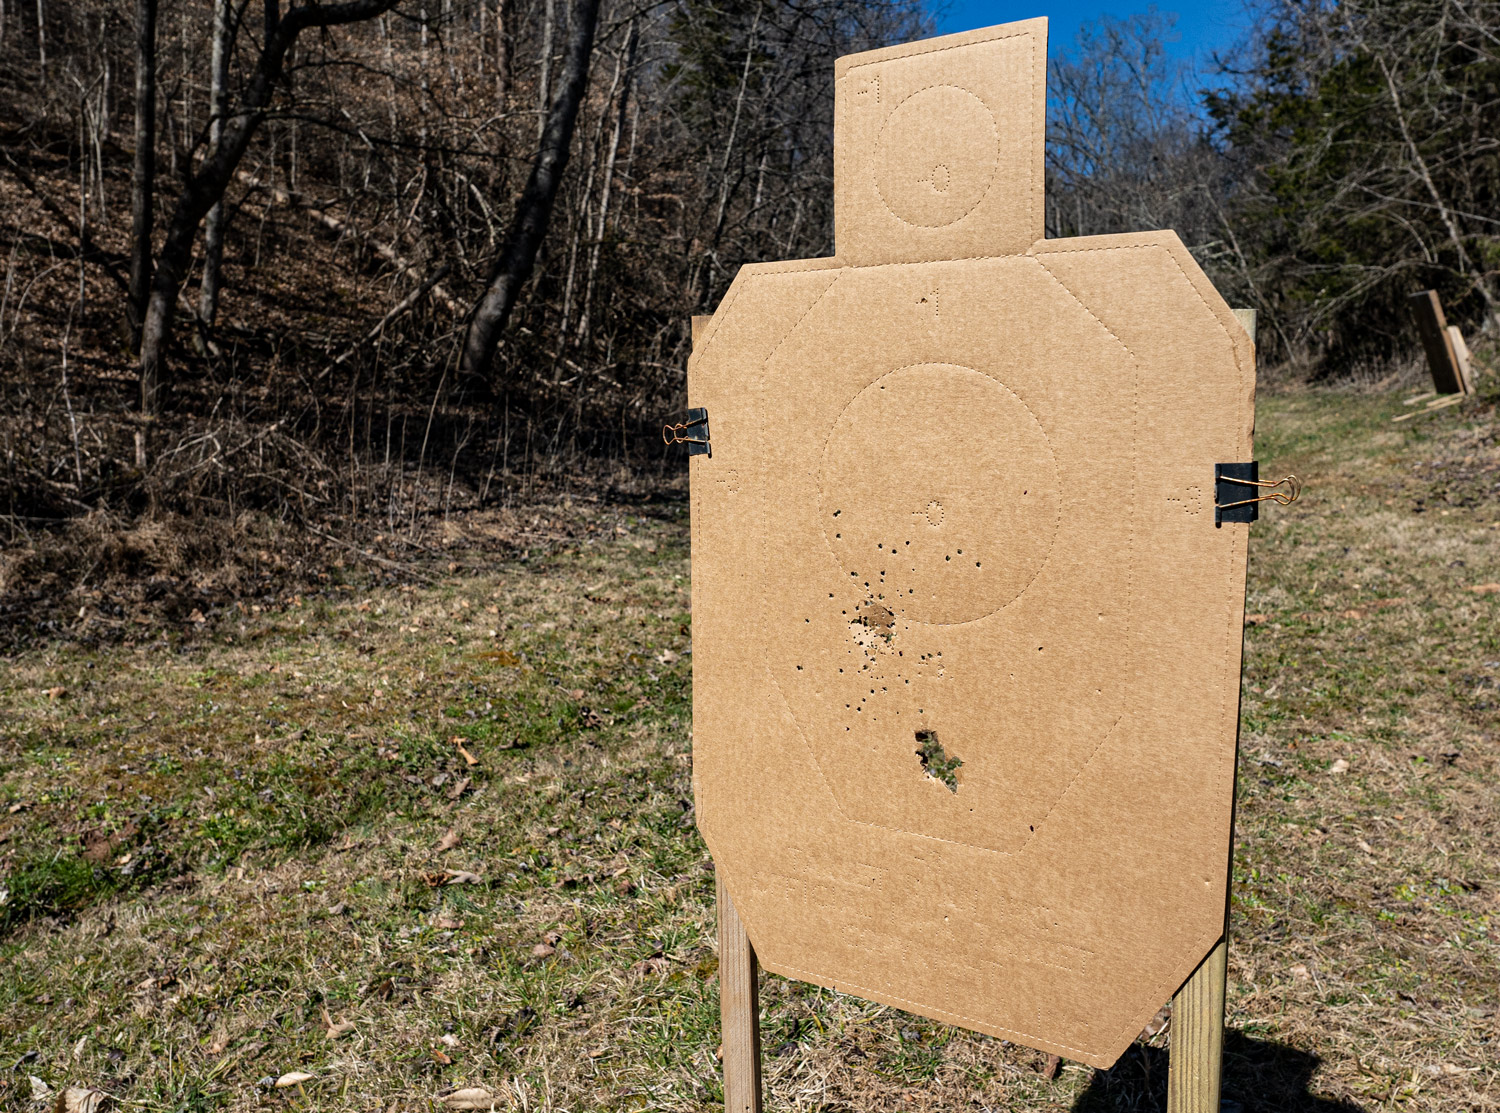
(222, 839)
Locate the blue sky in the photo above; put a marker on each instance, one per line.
(1202, 27)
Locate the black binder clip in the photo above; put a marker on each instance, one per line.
(1230, 483)
(693, 432)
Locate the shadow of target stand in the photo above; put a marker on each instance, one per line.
(964, 491)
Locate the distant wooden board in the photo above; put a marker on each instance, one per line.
(1461, 357)
(1437, 341)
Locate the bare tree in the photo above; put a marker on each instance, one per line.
(502, 55)
(143, 174)
(207, 185)
(218, 105)
(534, 210)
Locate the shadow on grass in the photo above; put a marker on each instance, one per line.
(1259, 1077)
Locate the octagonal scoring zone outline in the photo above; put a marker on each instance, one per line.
(1105, 734)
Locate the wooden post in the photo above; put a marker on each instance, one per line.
(1437, 342)
(739, 1009)
(1461, 358)
(1195, 1067)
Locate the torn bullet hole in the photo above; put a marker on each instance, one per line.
(936, 763)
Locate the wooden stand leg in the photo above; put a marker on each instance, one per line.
(1195, 1068)
(739, 1009)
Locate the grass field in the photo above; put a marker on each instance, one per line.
(432, 830)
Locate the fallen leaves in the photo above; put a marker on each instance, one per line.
(474, 1097)
(294, 1078)
(99, 848)
(79, 1099)
(458, 744)
(501, 657)
(451, 838)
(1158, 1022)
(453, 877)
(334, 1029)
(1339, 766)
(548, 946)
(1485, 589)
(655, 965)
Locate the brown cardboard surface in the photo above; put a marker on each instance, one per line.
(961, 485)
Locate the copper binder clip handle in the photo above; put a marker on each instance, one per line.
(1273, 493)
(693, 432)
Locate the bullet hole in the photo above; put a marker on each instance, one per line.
(876, 617)
(936, 762)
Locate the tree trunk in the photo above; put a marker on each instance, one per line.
(534, 210)
(1445, 213)
(206, 187)
(143, 174)
(544, 80)
(502, 56)
(609, 177)
(218, 104)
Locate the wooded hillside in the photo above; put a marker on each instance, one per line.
(355, 264)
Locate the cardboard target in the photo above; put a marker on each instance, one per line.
(966, 637)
